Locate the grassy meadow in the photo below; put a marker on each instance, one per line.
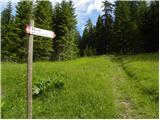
(94, 87)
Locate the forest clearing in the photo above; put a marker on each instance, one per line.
(89, 87)
(79, 59)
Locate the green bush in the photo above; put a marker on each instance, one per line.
(49, 84)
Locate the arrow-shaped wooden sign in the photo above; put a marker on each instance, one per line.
(40, 32)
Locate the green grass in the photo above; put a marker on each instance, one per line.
(94, 87)
(140, 90)
(144, 69)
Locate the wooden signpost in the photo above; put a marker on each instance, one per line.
(31, 30)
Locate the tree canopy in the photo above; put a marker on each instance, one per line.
(125, 27)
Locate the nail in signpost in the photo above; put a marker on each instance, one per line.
(31, 30)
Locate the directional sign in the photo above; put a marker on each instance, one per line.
(40, 32)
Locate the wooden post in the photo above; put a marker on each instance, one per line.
(29, 74)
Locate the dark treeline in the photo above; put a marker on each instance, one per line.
(61, 19)
(126, 27)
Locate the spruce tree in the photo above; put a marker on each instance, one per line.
(43, 19)
(78, 41)
(82, 42)
(150, 28)
(134, 40)
(6, 18)
(6, 26)
(122, 27)
(142, 11)
(20, 39)
(88, 39)
(100, 41)
(65, 45)
(108, 25)
(137, 10)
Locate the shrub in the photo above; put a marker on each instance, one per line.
(49, 84)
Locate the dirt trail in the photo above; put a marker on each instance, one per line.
(121, 84)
